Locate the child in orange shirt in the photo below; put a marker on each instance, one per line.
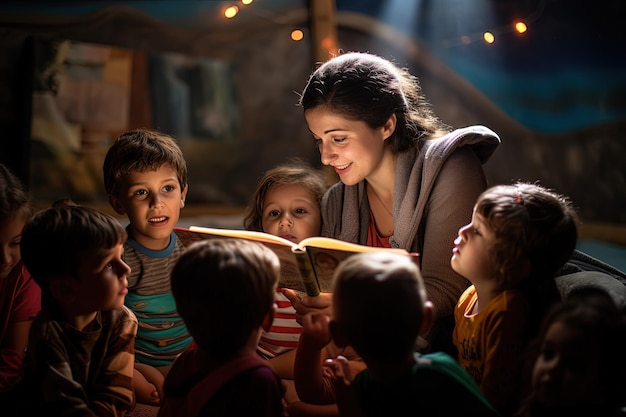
(519, 237)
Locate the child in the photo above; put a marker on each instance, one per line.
(224, 289)
(80, 357)
(145, 177)
(519, 237)
(579, 369)
(398, 380)
(20, 296)
(286, 203)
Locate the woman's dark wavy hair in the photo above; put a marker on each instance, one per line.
(366, 87)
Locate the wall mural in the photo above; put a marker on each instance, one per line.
(82, 101)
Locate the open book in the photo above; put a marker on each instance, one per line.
(307, 266)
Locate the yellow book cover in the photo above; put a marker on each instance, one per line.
(307, 266)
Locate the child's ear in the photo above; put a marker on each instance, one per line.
(269, 318)
(427, 317)
(338, 336)
(183, 195)
(117, 205)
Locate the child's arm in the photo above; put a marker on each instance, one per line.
(71, 369)
(343, 372)
(25, 305)
(312, 386)
(113, 393)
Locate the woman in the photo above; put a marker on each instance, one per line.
(406, 179)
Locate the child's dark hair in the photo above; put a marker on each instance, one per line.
(377, 278)
(141, 150)
(223, 289)
(530, 223)
(14, 199)
(293, 172)
(595, 316)
(55, 239)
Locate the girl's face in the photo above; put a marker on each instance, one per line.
(152, 200)
(566, 371)
(351, 147)
(471, 252)
(291, 211)
(10, 236)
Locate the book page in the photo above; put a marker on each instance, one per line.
(290, 270)
(244, 234)
(329, 243)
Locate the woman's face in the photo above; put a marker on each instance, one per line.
(351, 147)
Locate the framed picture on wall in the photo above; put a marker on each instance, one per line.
(85, 95)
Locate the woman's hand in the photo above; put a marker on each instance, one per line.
(321, 303)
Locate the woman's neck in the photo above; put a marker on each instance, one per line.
(379, 189)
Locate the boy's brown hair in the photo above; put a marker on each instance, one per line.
(141, 150)
(55, 239)
(224, 288)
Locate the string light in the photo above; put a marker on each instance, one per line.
(231, 12)
(297, 35)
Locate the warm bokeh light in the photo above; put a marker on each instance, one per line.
(465, 40)
(246, 2)
(521, 27)
(488, 37)
(231, 12)
(297, 35)
(328, 44)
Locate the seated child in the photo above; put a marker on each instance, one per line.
(145, 177)
(80, 355)
(224, 289)
(286, 203)
(20, 296)
(519, 237)
(579, 368)
(398, 380)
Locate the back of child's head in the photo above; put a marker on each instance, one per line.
(378, 304)
(530, 223)
(141, 150)
(15, 201)
(223, 289)
(293, 172)
(55, 240)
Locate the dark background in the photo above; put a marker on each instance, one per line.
(556, 94)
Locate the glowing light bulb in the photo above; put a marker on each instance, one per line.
(488, 37)
(246, 2)
(297, 35)
(521, 27)
(231, 12)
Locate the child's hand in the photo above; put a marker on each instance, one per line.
(315, 330)
(321, 303)
(339, 369)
